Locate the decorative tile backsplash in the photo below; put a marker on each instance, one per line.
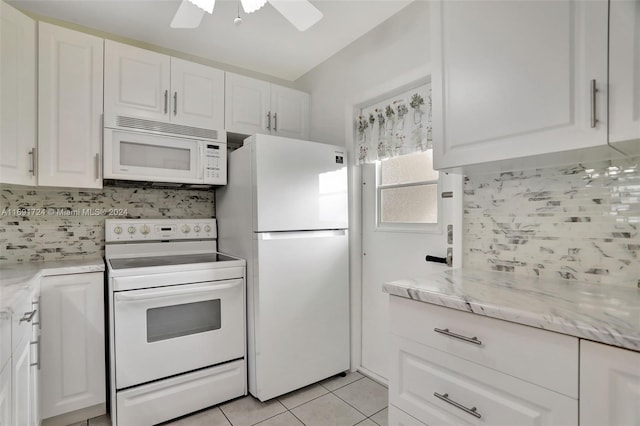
(578, 222)
(42, 224)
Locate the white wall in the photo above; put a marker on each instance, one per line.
(392, 53)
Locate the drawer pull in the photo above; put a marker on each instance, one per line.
(28, 316)
(473, 410)
(446, 332)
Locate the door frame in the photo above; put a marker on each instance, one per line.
(405, 81)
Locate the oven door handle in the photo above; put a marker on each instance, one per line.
(170, 293)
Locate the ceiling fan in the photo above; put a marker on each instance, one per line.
(301, 13)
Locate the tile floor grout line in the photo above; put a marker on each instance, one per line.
(350, 405)
(299, 419)
(306, 402)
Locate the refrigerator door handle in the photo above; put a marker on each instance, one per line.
(288, 235)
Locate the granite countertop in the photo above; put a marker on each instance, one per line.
(602, 313)
(18, 278)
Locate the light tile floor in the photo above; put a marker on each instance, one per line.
(338, 401)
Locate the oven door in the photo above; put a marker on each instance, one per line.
(152, 157)
(164, 331)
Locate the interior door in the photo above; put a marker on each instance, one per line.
(389, 254)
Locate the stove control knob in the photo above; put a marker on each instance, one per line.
(117, 230)
(186, 229)
(207, 228)
(196, 228)
(131, 230)
(144, 229)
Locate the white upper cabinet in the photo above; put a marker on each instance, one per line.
(148, 85)
(624, 74)
(136, 83)
(18, 87)
(515, 79)
(255, 106)
(198, 95)
(248, 102)
(290, 112)
(69, 108)
(609, 385)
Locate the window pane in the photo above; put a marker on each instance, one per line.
(417, 167)
(169, 322)
(409, 204)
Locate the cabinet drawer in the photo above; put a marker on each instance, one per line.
(397, 417)
(179, 395)
(545, 358)
(438, 388)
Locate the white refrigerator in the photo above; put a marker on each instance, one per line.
(285, 210)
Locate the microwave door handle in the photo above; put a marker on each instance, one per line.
(200, 161)
(171, 293)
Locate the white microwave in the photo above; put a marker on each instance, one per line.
(161, 157)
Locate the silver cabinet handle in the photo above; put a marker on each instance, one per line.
(269, 120)
(97, 159)
(275, 122)
(166, 101)
(37, 363)
(175, 103)
(445, 397)
(34, 162)
(446, 332)
(594, 90)
(32, 154)
(28, 316)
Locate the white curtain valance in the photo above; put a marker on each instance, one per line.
(395, 126)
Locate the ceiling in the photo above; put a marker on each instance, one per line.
(265, 42)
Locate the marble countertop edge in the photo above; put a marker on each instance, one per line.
(594, 325)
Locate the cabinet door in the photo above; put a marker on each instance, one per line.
(290, 112)
(18, 109)
(136, 83)
(624, 74)
(609, 385)
(197, 95)
(73, 362)
(21, 385)
(514, 79)
(5, 395)
(69, 108)
(247, 103)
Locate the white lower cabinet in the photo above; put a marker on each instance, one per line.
(73, 343)
(467, 369)
(24, 363)
(440, 388)
(5, 395)
(609, 385)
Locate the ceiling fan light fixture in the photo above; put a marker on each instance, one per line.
(250, 6)
(206, 5)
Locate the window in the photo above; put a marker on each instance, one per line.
(407, 192)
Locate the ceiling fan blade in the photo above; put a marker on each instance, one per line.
(301, 13)
(188, 16)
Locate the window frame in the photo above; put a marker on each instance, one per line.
(427, 228)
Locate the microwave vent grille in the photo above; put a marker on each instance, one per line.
(157, 126)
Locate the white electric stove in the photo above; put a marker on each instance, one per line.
(176, 319)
